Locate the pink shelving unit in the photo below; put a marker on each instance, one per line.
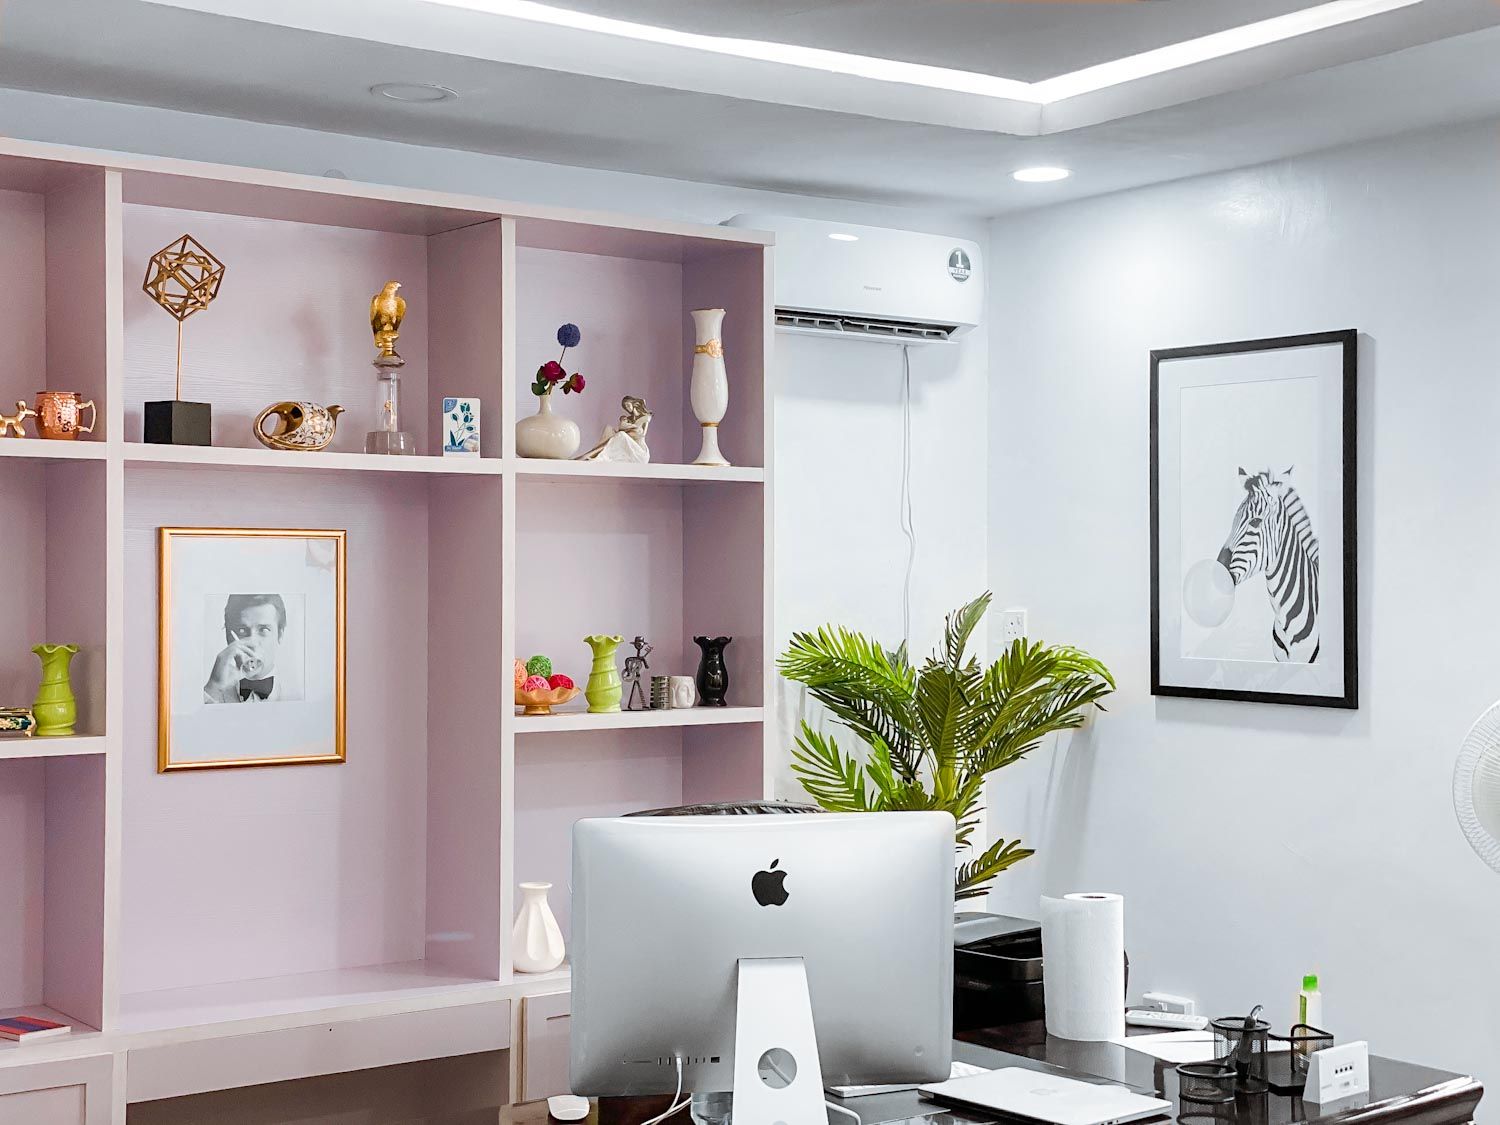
(166, 915)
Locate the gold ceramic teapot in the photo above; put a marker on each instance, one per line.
(302, 426)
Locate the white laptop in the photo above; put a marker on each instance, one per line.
(1051, 1098)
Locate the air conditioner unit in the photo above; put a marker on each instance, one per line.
(871, 283)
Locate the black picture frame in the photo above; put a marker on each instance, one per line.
(1348, 340)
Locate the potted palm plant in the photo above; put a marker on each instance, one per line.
(933, 734)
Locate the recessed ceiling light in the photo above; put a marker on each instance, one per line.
(840, 236)
(1043, 174)
(413, 92)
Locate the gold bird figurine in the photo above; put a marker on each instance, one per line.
(386, 310)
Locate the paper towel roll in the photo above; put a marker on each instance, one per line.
(1083, 966)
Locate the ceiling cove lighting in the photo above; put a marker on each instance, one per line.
(1042, 174)
(840, 236)
(416, 93)
(1203, 49)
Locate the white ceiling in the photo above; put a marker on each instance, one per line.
(126, 50)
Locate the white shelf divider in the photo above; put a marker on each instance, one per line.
(638, 720)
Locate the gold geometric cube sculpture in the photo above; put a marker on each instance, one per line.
(183, 277)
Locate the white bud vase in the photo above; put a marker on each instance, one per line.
(537, 943)
(710, 385)
(545, 434)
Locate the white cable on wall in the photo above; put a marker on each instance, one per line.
(908, 524)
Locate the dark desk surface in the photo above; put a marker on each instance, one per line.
(1399, 1092)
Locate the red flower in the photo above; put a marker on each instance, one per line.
(553, 371)
(575, 384)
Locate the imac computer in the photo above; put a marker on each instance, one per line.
(765, 955)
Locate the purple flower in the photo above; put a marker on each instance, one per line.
(568, 335)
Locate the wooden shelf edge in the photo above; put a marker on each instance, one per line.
(638, 720)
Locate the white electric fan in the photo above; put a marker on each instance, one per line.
(1476, 787)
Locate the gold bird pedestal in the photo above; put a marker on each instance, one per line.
(387, 309)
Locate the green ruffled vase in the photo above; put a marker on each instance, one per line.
(55, 708)
(603, 689)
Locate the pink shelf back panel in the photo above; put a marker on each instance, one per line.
(630, 314)
(467, 693)
(77, 526)
(291, 322)
(565, 777)
(465, 285)
(77, 298)
(23, 839)
(605, 557)
(724, 571)
(54, 561)
(23, 314)
(74, 956)
(23, 567)
(723, 764)
(238, 874)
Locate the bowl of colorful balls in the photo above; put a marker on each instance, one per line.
(539, 688)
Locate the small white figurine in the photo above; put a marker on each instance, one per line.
(627, 441)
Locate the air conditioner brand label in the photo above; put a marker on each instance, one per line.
(959, 265)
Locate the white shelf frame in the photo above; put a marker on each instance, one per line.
(274, 195)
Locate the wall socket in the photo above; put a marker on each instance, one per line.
(1012, 625)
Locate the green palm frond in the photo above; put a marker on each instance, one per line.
(835, 780)
(973, 878)
(932, 736)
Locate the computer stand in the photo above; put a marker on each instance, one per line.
(778, 1079)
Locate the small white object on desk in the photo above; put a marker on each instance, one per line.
(568, 1107)
(1336, 1073)
(1164, 1021)
(958, 1070)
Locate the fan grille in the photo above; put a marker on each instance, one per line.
(1476, 787)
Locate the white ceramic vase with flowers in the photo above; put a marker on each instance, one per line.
(545, 434)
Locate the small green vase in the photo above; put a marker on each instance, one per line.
(55, 708)
(603, 688)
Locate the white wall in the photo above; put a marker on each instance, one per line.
(840, 555)
(1255, 842)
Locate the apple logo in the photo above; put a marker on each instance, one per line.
(768, 886)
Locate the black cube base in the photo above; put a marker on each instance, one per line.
(175, 422)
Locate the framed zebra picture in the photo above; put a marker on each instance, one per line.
(1253, 535)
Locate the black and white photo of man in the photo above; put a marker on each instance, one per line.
(245, 669)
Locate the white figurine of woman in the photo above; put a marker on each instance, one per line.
(627, 441)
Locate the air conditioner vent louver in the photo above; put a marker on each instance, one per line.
(877, 328)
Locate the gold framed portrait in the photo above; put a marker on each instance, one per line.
(251, 667)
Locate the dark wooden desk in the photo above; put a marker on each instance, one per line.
(1399, 1092)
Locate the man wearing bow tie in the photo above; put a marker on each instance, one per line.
(245, 671)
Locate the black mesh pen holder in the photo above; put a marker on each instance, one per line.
(1205, 1084)
(1243, 1042)
(1288, 1063)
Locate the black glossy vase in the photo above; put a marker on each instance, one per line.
(713, 676)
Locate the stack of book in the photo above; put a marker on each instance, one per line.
(23, 1029)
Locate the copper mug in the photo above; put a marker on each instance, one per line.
(58, 415)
